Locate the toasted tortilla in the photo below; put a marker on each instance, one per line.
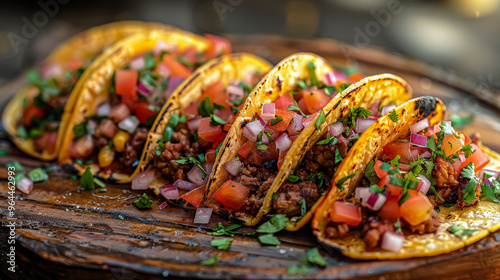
(225, 69)
(484, 217)
(91, 89)
(86, 45)
(279, 81)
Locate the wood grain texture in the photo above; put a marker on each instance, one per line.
(67, 234)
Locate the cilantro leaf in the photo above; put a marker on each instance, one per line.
(370, 173)
(87, 180)
(192, 160)
(394, 116)
(222, 230)
(340, 182)
(294, 179)
(295, 269)
(460, 122)
(329, 140)
(80, 130)
(343, 86)
(314, 257)
(215, 120)
(221, 243)
(205, 109)
(143, 202)
(488, 192)
(312, 69)
(275, 224)
(321, 120)
(467, 149)
(211, 261)
(276, 120)
(269, 239)
(353, 115)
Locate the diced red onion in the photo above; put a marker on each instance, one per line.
(298, 122)
(104, 109)
(261, 120)
(431, 130)
(495, 173)
(108, 128)
(185, 185)
(252, 130)
(203, 215)
(363, 124)
(362, 193)
(235, 92)
(336, 129)
(195, 175)
(426, 154)
(83, 147)
(173, 83)
(387, 109)
(162, 46)
(142, 180)
(194, 123)
(233, 166)
(208, 170)
(489, 181)
(376, 201)
(268, 111)
(274, 134)
(170, 192)
(138, 63)
(25, 185)
(163, 205)
(333, 77)
(308, 120)
(392, 242)
(404, 167)
(119, 112)
(163, 70)
(424, 184)
(352, 135)
(419, 126)
(225, 114)
(418, 140)
(129, 124)
(283, 142)
(92, 126)
(414, 154)
(374, 108)
(250, 78)
(143, 89)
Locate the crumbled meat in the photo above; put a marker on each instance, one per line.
(259, 179)
(444, 173)
(127, 160)
(428, 226)
(180, 145)
(463, 185)
(139, 138)
(255, 201)
(373, 229)
(290, 194)
(324, 155)
(337, 230)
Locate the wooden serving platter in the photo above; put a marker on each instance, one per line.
(63, 233)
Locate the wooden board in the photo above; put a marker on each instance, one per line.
(67, 234)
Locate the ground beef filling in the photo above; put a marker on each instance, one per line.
(318, 158)
(181, 144)
(373, 228)
(132, 151)
(450, 184)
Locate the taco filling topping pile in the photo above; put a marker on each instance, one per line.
(403, 187)
(114, 137)
(44, 104)
(268, 138)
(186, 153)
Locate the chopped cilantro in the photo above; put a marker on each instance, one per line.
(222, 230)
(312, 69)
(314, 257)
(215, 120)
(276, 120)
(488, 192)
(211, 261)
(302, 84)
(353, 115)
(342, 87)
(329, 140)
(269, 239)
(275, 224)
(221, 243)
(321, 120)
(294, 179)
(460, 122)
(340, 182)
(143, 202)
(87, 180)
(206, 108)
(467, 149)
(192, 160)
(338, 156)
(80, 130)
(394, 116)
(275, 196)
(295, 269)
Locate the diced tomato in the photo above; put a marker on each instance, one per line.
(343, 212)
(207, 132)
(416, 209)
(30, 112)
(399, 148)
(287, 117)
(224, 114)
(390, 210)
(479, 159)
(74, 63)
(380, 173)
(220, 138)
(177, 68)
(218, 46)
(232, 194)
(303, 107)
(216, 92)
(126, 82)
(284, 101)
(190, 53)
(226, 127)
(451, 144)
(356, 77)
(404, 167)
(392, 189)
(130, 101)
(46, 142)
(192, 109)
(143, 112)
(315, 99)
(194, 197)
(245, 149)
(258, 156)
(210, 156)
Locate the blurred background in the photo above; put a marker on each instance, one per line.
(462, 35)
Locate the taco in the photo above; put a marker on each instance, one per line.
(410, 187)
(35, 118)
(287, 112)
(184, 142)
(120, 95)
